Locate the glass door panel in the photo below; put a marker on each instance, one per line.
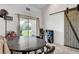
(24, 27)
(32, 28)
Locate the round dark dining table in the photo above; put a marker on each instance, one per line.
(25, 44)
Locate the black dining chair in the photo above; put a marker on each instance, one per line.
(49, 50)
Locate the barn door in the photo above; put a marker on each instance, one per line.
(70, 37)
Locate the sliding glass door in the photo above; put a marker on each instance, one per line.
(27, 27)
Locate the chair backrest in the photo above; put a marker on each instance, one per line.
(50, 50)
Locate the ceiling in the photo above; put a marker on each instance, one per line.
(41, 6)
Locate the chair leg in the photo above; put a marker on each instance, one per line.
(35, 52)
(11, 52)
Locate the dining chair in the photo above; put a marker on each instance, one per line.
(49, 50)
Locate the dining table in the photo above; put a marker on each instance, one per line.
(25, 44)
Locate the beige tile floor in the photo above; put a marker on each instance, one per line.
(60, 49)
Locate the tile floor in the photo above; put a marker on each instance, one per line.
(60, 49)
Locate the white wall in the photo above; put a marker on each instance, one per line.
(19, 9)
(2, 27)
(55, 22)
